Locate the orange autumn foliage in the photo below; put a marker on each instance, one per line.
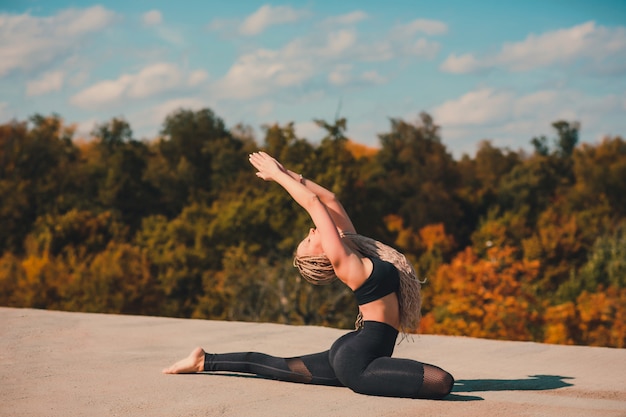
(596, 319)
(359, 150)
(483, 297)
(434, 237)
(405, 237)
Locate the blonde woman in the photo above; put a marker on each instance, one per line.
(387, 292)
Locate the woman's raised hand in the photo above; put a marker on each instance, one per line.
(267, 166)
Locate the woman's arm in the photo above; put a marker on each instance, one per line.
(335, 208)
(270, 169)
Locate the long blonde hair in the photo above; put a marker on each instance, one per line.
(319, 271)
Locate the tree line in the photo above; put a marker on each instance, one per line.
(514, 245)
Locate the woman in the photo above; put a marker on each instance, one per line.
(386, 290)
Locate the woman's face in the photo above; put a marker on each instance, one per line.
(311, 245)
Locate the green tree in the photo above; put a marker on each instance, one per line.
(116, 280)
(564, 144)
(202, 158)
(605, 266)
(480, 181)
(120, 173)
(600, 171)
(56, 252)
(34, 166)
(417, 177)
(179, 255)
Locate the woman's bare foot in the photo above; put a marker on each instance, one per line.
(191, 364)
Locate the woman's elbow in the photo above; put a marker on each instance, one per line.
(329, 197)
(311, 202)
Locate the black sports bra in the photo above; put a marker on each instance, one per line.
(383, 280)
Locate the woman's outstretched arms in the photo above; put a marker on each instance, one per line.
(340, 256)
(335, 208)
(271, 170)
(348, 266)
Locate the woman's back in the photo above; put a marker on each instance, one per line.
(377, 295)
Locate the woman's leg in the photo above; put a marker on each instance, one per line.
(362, 361)
(406, 378)
(309, 369)
(359, 360)
(437, 382)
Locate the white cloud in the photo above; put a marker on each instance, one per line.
(304, 61)
(338, 42)
(197, 77)
(477, 107)
(346, 19)
(321, 56)
(461, 64)
(162, 110)
(309, 130)
(377, 51)
(75, 23)
(392, 47)
(49, 81)
(258, 21)
(151, 18)
(340, 75)
(424, 48)
(267, 16)
(155, 79)
(260, 72)
(28, 42)
(373, 77)
(535, 103)
(513, 119)
(594, 45)
(150, 81)
(425, 26)
(102, 93)
(264, 71)
(149, 120)
(265, 109)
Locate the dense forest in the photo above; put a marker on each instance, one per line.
(514, 245)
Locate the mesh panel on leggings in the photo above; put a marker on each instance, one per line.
(437, 382)
(301, 372)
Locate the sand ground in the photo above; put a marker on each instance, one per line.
(76, 364)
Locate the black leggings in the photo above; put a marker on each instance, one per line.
(360, 360)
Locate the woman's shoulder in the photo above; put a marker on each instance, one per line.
(355, 270)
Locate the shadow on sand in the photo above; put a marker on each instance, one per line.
(532, 383)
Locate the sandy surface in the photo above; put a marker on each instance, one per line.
(74, 364)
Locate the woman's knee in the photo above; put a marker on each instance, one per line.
(437, 383)
(447, 383)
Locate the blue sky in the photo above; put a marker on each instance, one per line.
(502, 71)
